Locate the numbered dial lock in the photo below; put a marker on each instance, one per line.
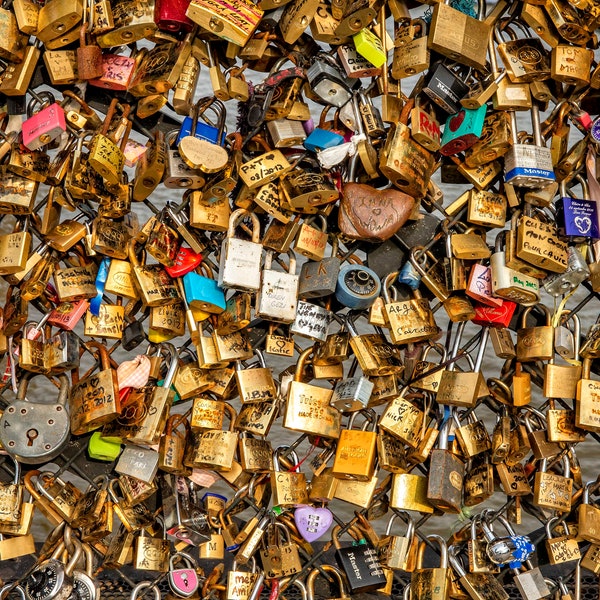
(357, 287)
(52, 579)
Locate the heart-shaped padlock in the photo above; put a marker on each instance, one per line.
(312, 522)
(183, 582)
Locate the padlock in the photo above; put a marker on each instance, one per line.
(355, 452)
(277, 298)
(22, 429)
(434, 581)
(359, 562)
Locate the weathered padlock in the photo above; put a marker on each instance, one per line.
(36, 432)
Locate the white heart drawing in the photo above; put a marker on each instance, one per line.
(584, 224)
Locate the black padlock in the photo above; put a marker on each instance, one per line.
(385, 258)
(360, 563)
(133, 335)
(445, 87)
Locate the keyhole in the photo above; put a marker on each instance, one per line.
(31, 435)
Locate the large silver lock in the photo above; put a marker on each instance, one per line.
(557, 284)
(239, 266)
(328, 82)
(311, 321)
(353, 392)
(277, 297)
(528, 165)
(138, 462)
(36, 432)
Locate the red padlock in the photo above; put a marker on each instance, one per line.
(44, 126)
(169, 15)
(494, 316)
(185, 261)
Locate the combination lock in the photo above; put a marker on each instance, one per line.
(357, 287)
(52, 580)
(84, 586)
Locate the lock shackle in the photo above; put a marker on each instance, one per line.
(10, 587)
(589, 488)
(439, 348)
(187, 559)
(102, 354)
(576, 329)
(236, 218)
(585, 189)
(456, 345)
(330, 569)
(144, 585)
(173, 363)
(302, 360)
(454, 561)
(525, 313)
(548, 527)
(410, 523)
(441, 542)
(387, 284)
(292, 264)
(284, 582)
(533, 413)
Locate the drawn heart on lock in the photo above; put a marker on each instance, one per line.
(312, 522)
(584, 224)
(374, 214)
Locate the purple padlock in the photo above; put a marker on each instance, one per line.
(577, 218)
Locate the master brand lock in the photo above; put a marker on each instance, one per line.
(359, 562)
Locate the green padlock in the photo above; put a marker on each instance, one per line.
(369, 46)
(100, 448)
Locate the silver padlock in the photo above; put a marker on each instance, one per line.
(311, 321)
(353, 392)
(509, 284)
(277, 297)
(36, 432)
(138, 462)
(327, 81)
(239, 265)
(557, 284)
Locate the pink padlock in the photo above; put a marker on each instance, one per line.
(43, 126)
(479, 286)
(67, 314)
(183, 581)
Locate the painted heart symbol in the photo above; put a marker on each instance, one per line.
(456, 120)
(312, 522)
(584, 224)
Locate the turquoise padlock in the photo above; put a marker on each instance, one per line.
(462, 130)
(320, 139)
(203, 293)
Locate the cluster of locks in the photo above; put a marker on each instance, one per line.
(373, 403)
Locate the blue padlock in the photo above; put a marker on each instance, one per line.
(320, 139)
(203, 293)
(462, 130)
(357, 286)
(577, 218)
(409, 276)
(203, 131)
